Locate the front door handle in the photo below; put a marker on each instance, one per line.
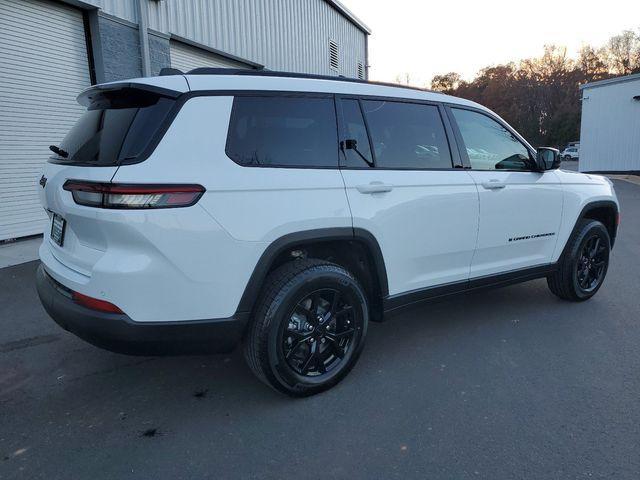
(493, 184)
(375, 187)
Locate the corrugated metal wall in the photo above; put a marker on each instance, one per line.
(185, 57)
(43, 66)
(126, 9)
(288, 35)
(610, 129)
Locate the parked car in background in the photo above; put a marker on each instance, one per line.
(570, 153)
(191, 213)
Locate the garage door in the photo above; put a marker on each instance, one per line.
(185, 57)
(43, 67)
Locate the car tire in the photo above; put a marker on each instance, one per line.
(308, 327)
(567, 157)
(584, 263)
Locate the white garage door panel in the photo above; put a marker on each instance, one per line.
(185, 57)
(43, 67)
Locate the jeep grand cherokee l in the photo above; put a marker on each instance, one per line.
(191, 213)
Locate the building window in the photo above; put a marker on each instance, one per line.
(360, 71)
(334, 58)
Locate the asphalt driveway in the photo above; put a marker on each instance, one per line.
(503, 384)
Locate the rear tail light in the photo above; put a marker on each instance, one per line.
(94, 303)
(113, 195)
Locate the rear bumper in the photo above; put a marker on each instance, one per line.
(119, 333)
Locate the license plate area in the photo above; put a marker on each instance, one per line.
(58, 225)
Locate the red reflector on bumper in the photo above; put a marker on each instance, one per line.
(94, 303)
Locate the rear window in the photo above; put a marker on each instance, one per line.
(283, 131)
(407, 135)
(116, 129)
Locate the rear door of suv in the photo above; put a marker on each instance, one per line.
(406, 185)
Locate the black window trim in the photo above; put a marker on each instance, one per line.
(456, 146)
(342, 133)
(456, 163)
(462, 149)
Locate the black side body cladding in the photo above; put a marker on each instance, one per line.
(395, 302)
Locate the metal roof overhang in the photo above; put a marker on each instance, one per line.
(349, 15)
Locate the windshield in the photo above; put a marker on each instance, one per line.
(116, 129)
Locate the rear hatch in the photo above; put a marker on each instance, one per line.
(121, 126)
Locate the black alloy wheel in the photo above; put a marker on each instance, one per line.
(583, 265)
(309, 327)
(319, 333)
(591, 264)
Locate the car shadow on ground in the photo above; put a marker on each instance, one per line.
(71, 368)
(57, 355)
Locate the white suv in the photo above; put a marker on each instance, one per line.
(190, 213)
(570, 153)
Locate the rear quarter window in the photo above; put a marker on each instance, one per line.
(272, 131)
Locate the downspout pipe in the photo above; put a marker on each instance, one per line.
(143, 26)
(366, 56)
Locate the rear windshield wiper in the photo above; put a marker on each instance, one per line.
(58, 151)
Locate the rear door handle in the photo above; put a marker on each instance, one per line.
(375, 187)
(493, 184)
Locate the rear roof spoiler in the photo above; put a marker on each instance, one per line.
(88, 96)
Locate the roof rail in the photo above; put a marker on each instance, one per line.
(169, 71)
(311, 76)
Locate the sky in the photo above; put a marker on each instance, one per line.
(425, 38)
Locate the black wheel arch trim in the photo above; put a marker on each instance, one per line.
(592, 206)
(292, 240)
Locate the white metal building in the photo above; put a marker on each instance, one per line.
(610, 129)
(50, 50)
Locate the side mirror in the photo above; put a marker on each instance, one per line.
(547, 158)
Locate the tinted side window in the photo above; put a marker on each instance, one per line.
(283, 131)
(407, 135)
(489, 145)
(355, 130)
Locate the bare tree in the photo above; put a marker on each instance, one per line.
(592, 64)
(623, 53)
(403, 79)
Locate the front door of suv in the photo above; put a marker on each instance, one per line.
(403, 188)
(520, 208)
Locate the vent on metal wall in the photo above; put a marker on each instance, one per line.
(334, 57)
(360, 71)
